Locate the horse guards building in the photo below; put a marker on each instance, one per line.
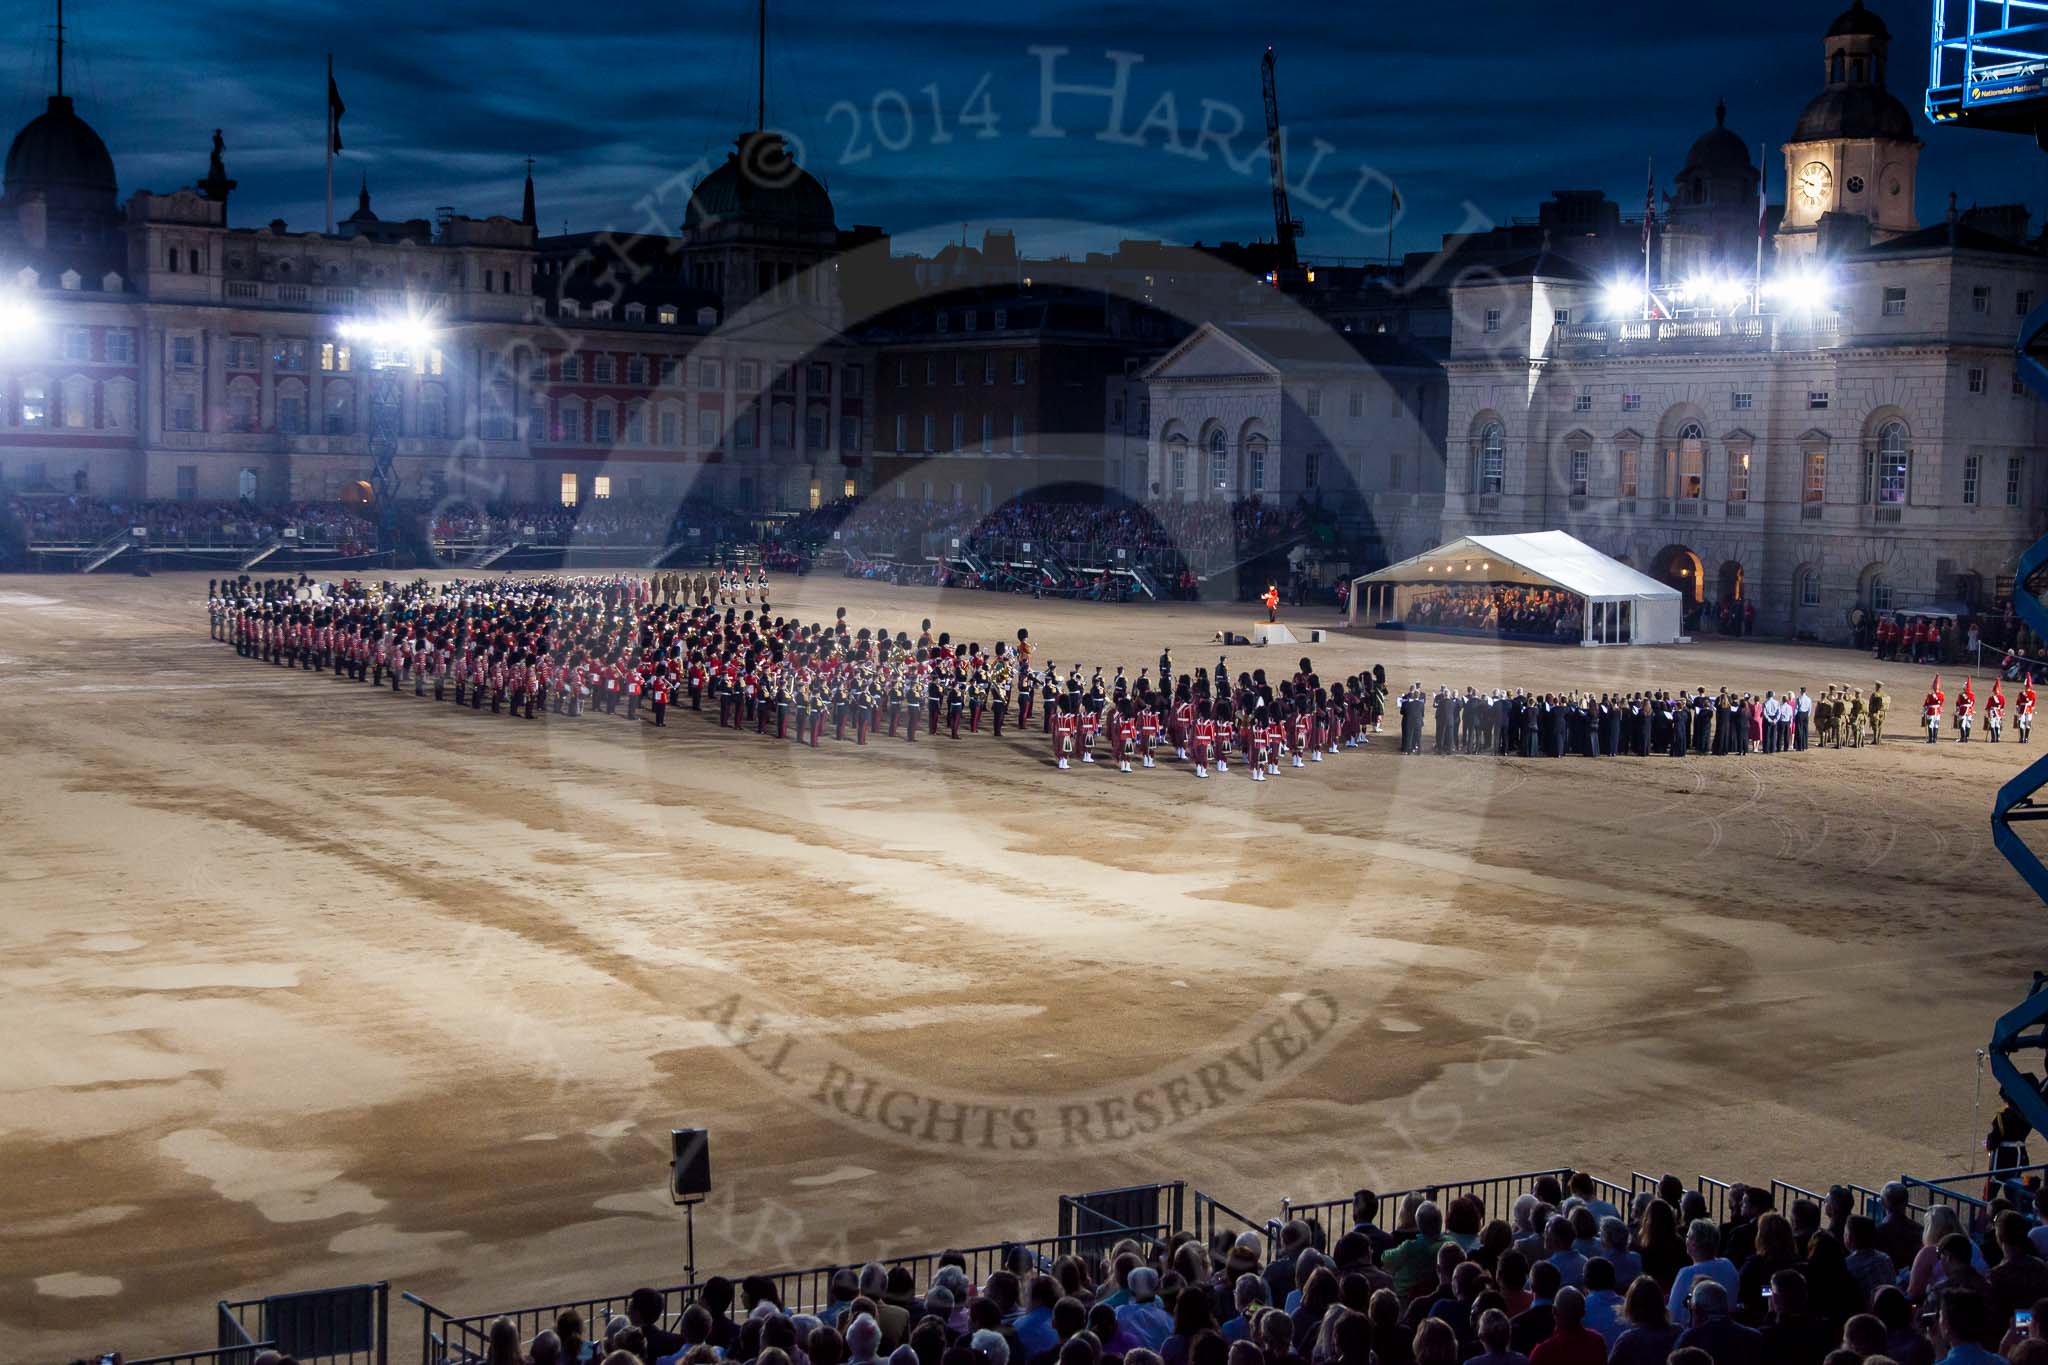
(1812, 408)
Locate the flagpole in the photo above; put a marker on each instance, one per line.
(1649, 229)
(327, 98)
(1763, 179)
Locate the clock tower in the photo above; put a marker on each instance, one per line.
(1853, 151)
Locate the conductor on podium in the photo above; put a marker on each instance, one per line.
(1272, 601)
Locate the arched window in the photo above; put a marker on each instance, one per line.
(1493, 467)
(1255, 464)
(242, 404)
(291, 407)
(1177, 462)
(1892, 466)
(1219, 460)
(338, 410)
(1692, 461)
(1880, 593)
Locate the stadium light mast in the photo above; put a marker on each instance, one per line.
(396, 344)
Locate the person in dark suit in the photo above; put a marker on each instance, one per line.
(1714, 1332)
(1538, 1322)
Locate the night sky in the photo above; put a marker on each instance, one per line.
(1475, 110)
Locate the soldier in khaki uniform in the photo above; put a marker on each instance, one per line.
(1876, 713)
(1855, 720)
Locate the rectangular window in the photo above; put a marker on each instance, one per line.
(601, 425)
(1691, 470)
(2012, 481)
(1976, 380)
(931, 432)
(988, 432)
(636, 369)
(572, 368)
(709, 375)
(1582, 401)
(902, 429)
(665, 368)
(1894, 301)
(1397, 470)
(289, 354)
(1314, 398)
(988, 367)
(902, 374)
(1312, 469)
(121, 348)
(184, 352)
(1017, 432)
(1358, 403)
(850, 380)
(1180, 469)
(820, 378)
(814, 430)
(931, 369)
(1738, 476)
(708, 429)
(568, 487)
(1493, 319)
(1625, 480)
(291, 414)
(1741, 402)
(849, 434)
(1891, 480)
(1816, 489)
(1971, 465)
(959, 367)
(969, 319)
(1561, 317)
(2023, 303)
(1809, 588)
(78, 344)
(1002, 319)
(1816, 400)
(1631, 402)
(671, 427)
(1255, 467)
(959, 431)
(1980, 299)
(940, 322)
(188, 482)
(1017, 370)
(1581, 471)
(601, 486)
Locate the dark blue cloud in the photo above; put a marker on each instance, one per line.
(1485, 105)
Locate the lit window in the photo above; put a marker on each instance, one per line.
(1738, 476)
(1816, 476)
(35, 405)
(1892, 464)
(568, 490)
(1625, 475)
(601, 486)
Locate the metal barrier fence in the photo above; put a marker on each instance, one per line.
(1496, 1194)
(1213, 1216)
(1100, 1217)
(347, 1325)
(1712, 1192)
(1971, 1208)
(446, 1339)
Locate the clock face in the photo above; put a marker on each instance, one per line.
(1855, 184)
(1814, 183)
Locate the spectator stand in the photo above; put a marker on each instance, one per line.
(342, 1326)
(1956, 1190)
(1212, 1216)
(446, 1339)
(1714, 1192)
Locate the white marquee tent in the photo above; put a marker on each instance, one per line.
(1620, 605)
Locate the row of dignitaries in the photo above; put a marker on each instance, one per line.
(1644, 723)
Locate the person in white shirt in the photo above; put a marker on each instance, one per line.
(1802, 720)
(1703, 1244)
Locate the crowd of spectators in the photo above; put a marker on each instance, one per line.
(80, 520)
(613, 522)
(1499, 608)
(1569, 1278)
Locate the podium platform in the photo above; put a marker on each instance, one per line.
(1272, 634)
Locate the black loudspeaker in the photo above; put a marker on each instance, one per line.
(689, 1176)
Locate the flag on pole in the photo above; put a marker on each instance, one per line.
(1649, 226)
(335, 109)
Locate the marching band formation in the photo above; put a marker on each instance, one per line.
(569, 646)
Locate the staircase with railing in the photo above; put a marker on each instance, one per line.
(108, 550)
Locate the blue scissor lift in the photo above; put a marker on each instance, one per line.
(1988, 69)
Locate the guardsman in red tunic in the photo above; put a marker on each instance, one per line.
(1994, 711)
(660, 688)
(1271, 598)
(1276, 745)
(1123, 737)
(1255, 750)
(1204, 739)
(1930, 709)
(1066, 729)
(636, 683)
(1183, 727)
(1302, 723)
(1966, 711)
(1091, 724)
(1148, 732)
(2025, 717)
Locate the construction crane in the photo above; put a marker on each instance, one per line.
(1286, 227)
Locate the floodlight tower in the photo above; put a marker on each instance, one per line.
(396, 347)
(1988, 69)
